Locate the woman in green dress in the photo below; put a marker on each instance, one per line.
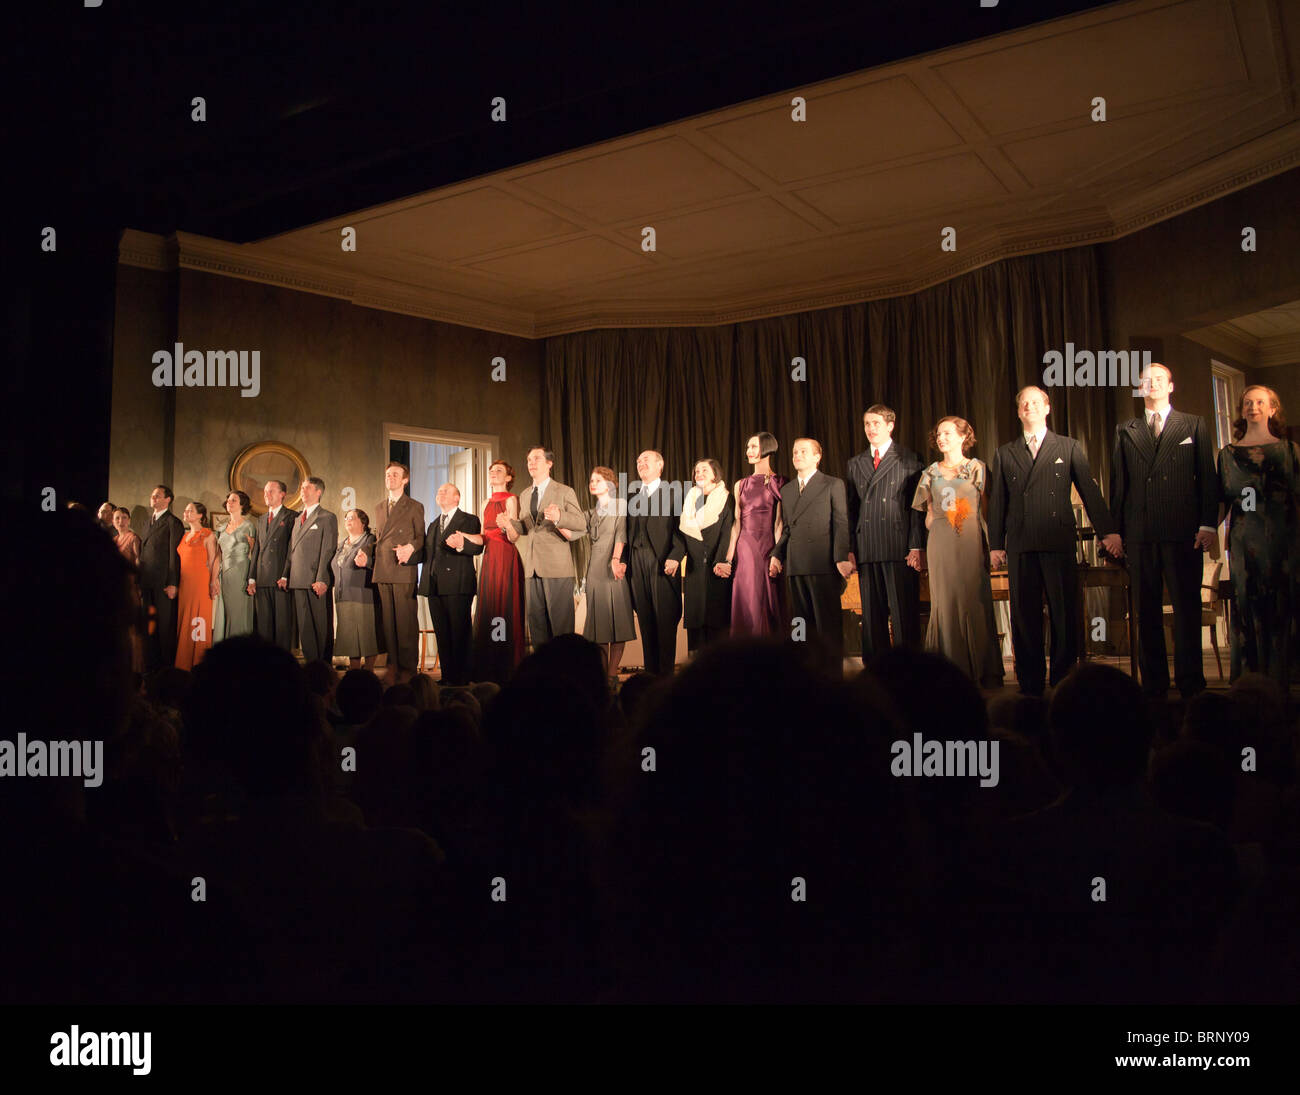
(234, 616)
(1259, 474)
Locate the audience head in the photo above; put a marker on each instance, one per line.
(1100, 728)
(399, 695)
(1259, 405)
(359, 696)
(425, 692)
(320, 677)
(274, 753)
(1189, 778)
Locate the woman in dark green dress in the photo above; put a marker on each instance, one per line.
(1259, 474)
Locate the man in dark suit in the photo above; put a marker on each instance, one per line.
(888, 533)
(1164, 494)
(399, 547)
(272, 606)
(450, 583)
(160, 574)
(1031, 532)
(307, 572)
(654, 554)
(814, 546)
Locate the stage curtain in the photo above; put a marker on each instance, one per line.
(963, 347)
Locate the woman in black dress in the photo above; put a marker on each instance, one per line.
(707, 516)
(1259, 474)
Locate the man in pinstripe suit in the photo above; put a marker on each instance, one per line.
(1031, 532)
(888, 534)
(1164, 494)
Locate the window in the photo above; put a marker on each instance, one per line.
(1228, 386)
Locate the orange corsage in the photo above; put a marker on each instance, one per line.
(957, 513)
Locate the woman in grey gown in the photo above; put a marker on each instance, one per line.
(235, 616)
(951, 494)
(609, 600)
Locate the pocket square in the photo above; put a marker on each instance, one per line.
(1185, 441)
(312, 529)
(1059, 460)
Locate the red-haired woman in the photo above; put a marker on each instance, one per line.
(1259, 474)
(951, 494)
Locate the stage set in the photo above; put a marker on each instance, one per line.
(956, 344)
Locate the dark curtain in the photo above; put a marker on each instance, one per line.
(964, 347)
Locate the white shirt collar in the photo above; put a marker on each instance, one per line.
(273, 514)
(883, 447)
(651, 487)
(1164, 415)
(309, 511)
(803, 479)
(541, 487)
(1039, 435)
(450, 512)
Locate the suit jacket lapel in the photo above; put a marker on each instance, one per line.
(1176, 428)
(1046, 454)
(1140, 433)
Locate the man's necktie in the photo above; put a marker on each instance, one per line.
(442, 525)
(1155, 422)
(532, 505)
(303, 519)
(390, 505)
(875, 458)
(1033, 447)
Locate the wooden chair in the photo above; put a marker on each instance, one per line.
(1212, 611)
(423, 632)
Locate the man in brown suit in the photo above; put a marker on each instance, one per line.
(399, 547)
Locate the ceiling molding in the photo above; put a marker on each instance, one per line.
(758, 216)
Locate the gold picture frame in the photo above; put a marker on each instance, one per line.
(269, 460)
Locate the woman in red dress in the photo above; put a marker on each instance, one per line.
(499, 639)
(200, 581)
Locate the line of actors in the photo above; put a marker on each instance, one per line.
(771, 556)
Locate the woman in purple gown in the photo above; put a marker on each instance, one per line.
(757, 603)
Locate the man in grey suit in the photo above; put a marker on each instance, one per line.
(399, 547)
(814, 545)
(546, 507)
(272, 606)
(1164, 496)
(307, 572)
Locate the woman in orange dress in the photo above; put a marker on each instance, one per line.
(200, 581)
